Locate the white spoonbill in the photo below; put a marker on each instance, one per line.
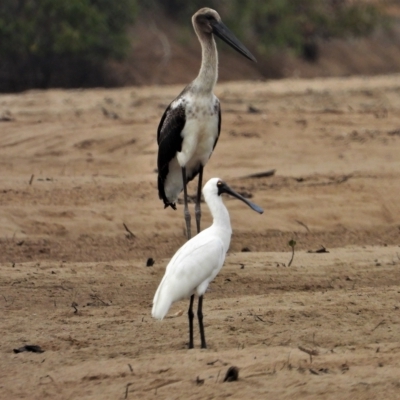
(199, 260)
(190, 127)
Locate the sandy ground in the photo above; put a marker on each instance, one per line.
(76, 165)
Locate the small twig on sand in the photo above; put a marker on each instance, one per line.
(127, 389)
(287, 363)
(199, 381)
(302, 224)
(322, 249)
(292, 243)
(44, 377)
(74, 305)
(130, 234)
(263, 174)
(96, 297)
(31, 180)
(309, 352)
(377, 326)
(345, 178)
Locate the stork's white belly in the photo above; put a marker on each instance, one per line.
(199, 136)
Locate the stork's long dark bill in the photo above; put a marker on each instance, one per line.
(223, 32)
(224, 188)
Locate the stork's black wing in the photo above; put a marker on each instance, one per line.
(219, 124)
(169, 143)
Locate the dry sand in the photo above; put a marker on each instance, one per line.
(76, 165)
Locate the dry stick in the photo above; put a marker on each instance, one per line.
(199, 381)
(263, 174)
(290, 262)
(96, 297)
(302, 224)
(292, 243)
(345, 178)
(46, 376)
(31, 180)
(309, 352)
(286, 363)
(380, 323)
(288, 358)
(7, 303)
(126, 390)
(128, 230)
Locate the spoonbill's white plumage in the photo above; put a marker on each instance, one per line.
(199, 260)
(189, 129)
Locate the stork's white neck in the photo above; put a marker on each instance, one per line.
(208, 75)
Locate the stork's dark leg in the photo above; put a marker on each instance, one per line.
(191, 316)
(197, 208)
(186, 210)
(201, 326)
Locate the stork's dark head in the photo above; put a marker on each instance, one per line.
(207, 21)
(204, 19)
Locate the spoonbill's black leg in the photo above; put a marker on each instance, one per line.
(201, 326)
(191, 316)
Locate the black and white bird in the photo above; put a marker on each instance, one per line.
(189, 129)
(199, 260)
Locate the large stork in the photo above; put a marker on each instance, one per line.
(190, 127)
